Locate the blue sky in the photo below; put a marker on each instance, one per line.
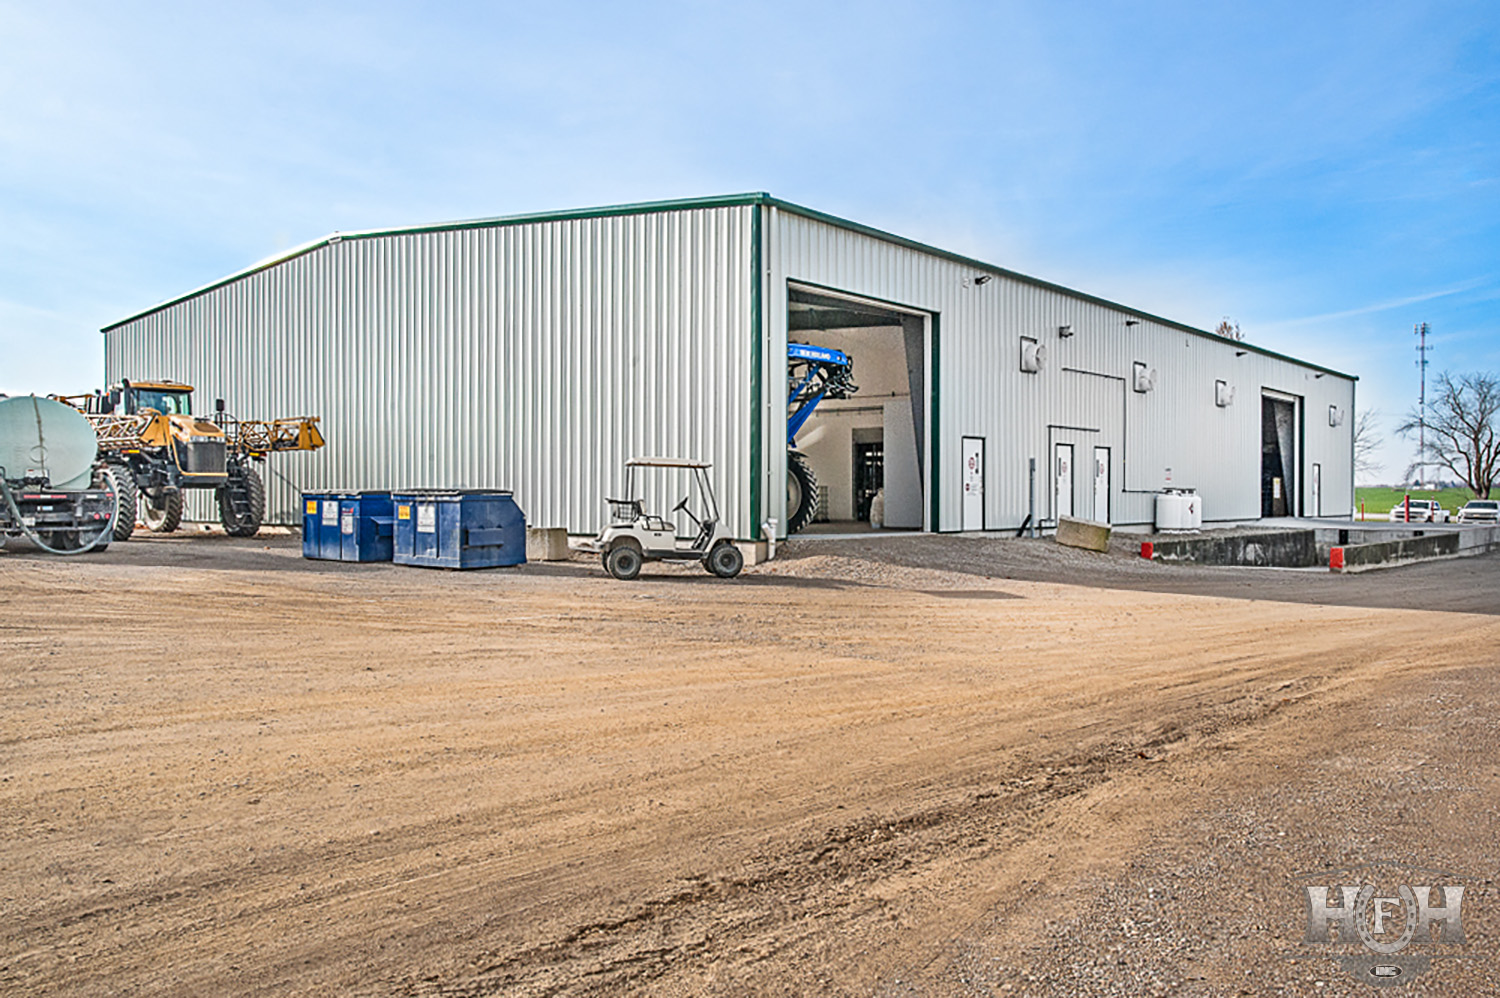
(1327, 174)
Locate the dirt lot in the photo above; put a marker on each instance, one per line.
(932, 766)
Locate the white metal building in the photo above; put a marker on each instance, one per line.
(539, 352)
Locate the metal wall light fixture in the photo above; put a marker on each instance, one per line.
(1143, 378)
(1065, 331)
(1033, 355)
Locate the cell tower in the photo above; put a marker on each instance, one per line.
(1420, 331)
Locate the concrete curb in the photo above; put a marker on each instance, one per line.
(1408, 551)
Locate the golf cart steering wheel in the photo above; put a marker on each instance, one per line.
(681, 507)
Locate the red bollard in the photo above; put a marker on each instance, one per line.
(1335, 559)
(1148, 550)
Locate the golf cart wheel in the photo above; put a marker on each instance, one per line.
(624, 562)
(724, 560)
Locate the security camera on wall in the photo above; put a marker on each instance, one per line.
(1033, 355)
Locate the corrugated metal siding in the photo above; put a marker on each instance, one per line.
(1085, 383)
(535, 356)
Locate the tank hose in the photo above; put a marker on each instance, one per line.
(31, 535)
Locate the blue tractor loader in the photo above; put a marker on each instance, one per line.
(813, 374)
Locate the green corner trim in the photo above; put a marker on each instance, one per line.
(935, 436)
(757, 354)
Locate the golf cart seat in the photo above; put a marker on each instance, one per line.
(626, 510)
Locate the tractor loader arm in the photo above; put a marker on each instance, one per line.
(117, 433)
(263, 436)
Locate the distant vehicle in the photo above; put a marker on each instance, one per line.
(1480, 511)
(1422, 511)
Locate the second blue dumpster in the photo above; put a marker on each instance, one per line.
(465, 528)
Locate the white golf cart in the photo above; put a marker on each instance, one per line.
(635, 536)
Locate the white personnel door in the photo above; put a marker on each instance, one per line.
(1062, 473)
(973, 476)
(1101, 484)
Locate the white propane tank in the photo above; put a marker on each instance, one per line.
(1178, 509)
(42, 438)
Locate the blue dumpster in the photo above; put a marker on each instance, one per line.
(320, 526)
(459, 529)
(366, 526)
(347, 526)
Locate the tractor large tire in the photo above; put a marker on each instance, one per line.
(801, 492)
(165, 518)
(117, 478)
(242, 504)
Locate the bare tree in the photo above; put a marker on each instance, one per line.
(1366, 443)
(1461, 429)
(1229, 330)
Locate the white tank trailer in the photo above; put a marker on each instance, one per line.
(48, 489)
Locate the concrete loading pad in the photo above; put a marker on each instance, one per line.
(1311, 543)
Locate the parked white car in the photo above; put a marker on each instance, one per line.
(1480, 511)
(1422, 511)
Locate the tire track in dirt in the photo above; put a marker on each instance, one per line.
(586, 788)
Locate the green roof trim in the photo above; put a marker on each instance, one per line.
(990, 268)
(641, 208)
(690, 204)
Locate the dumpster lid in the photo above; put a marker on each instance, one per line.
(451, 492)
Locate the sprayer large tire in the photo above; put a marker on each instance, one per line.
(801, 492)
(255, 493)
(118, 480)
(165, 518)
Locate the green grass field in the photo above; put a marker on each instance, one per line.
(1378, 500)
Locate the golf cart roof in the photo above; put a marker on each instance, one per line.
(665, 462)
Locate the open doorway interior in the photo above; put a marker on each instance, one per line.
(865, 452)
(1278, 455)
